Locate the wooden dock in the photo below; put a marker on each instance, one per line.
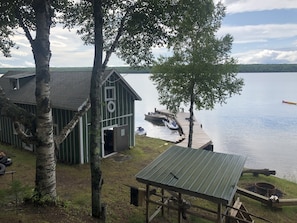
(200, 138)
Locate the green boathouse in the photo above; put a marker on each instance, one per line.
(69, 92)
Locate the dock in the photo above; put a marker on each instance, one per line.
(200, 138)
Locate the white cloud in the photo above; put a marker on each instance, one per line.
(67, 49)
(237, 6)
(267, 56)
(259, 33)
(290, 56)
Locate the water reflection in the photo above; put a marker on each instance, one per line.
(255, 124)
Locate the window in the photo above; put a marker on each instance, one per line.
(110, 93)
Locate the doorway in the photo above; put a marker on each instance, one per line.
(115, 139)
(108, 143)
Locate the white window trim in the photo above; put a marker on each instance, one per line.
(106, 89)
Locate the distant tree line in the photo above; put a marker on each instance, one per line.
(256, 68)
(242, 68)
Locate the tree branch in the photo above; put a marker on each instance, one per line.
(16, 113)
(29, 139)
(24, 27)
(70, 126)
(117, 38)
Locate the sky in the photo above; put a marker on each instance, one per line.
(264, 31)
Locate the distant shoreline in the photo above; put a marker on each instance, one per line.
(242, 68)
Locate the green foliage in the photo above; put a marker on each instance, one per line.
(131, 28)
(19, 191)
(20, 14)
(2, 197)
(16, 193)
(201, 71)
(44, 200)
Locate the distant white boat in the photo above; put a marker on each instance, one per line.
(140, 131)
(171, 124)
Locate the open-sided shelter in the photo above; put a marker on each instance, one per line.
(191, 172)
(69, 92)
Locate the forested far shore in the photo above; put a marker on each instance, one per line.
(242, 68)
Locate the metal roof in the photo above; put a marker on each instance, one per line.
(69, 89)
(196, 172)
(20, 75)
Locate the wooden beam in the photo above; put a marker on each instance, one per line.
(252, 195)
(219, 213)
(179, 208)
(163, 201)
(285, 202)
(200, 215)
(256, 172)
(161, 207)
(147, 203)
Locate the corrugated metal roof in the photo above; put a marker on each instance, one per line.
(196, 172)
(21, 75)
(69, 89)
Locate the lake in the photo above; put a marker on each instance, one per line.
(255, 124)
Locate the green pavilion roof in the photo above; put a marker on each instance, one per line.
(210, 175)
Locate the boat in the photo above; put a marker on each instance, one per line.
(155, 117)
(171, 124)
(290, 102)
(140, 131)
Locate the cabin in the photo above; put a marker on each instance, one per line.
(69, 92)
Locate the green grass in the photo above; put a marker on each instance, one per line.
(74, 189)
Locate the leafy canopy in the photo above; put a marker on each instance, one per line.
(16, 14)
(131, 28)
(201, 70)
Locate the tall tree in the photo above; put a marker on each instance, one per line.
(129, 29)
(95, 98)
(34, 17)
(201, 72)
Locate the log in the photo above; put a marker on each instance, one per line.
(256, 172)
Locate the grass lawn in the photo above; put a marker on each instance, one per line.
(74, 189)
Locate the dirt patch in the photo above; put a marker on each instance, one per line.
(121, 157)
(29, 213)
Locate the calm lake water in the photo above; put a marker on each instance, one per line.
(255, 124)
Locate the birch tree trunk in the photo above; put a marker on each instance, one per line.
(45, 184)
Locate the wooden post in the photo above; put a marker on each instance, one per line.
(147, 203)
(162, 192)
(179, 208)
(219, 214)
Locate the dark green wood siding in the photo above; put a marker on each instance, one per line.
(68, 150)
(124, 102)
(75, 148)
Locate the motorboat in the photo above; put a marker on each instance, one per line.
(140, 131)
(171, 124)
(155, 117)
(290, 102)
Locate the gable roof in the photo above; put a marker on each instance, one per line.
(69, 89)
(196, 172)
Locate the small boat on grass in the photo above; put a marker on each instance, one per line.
(290, 102)
(171, 124)
(140, 131)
